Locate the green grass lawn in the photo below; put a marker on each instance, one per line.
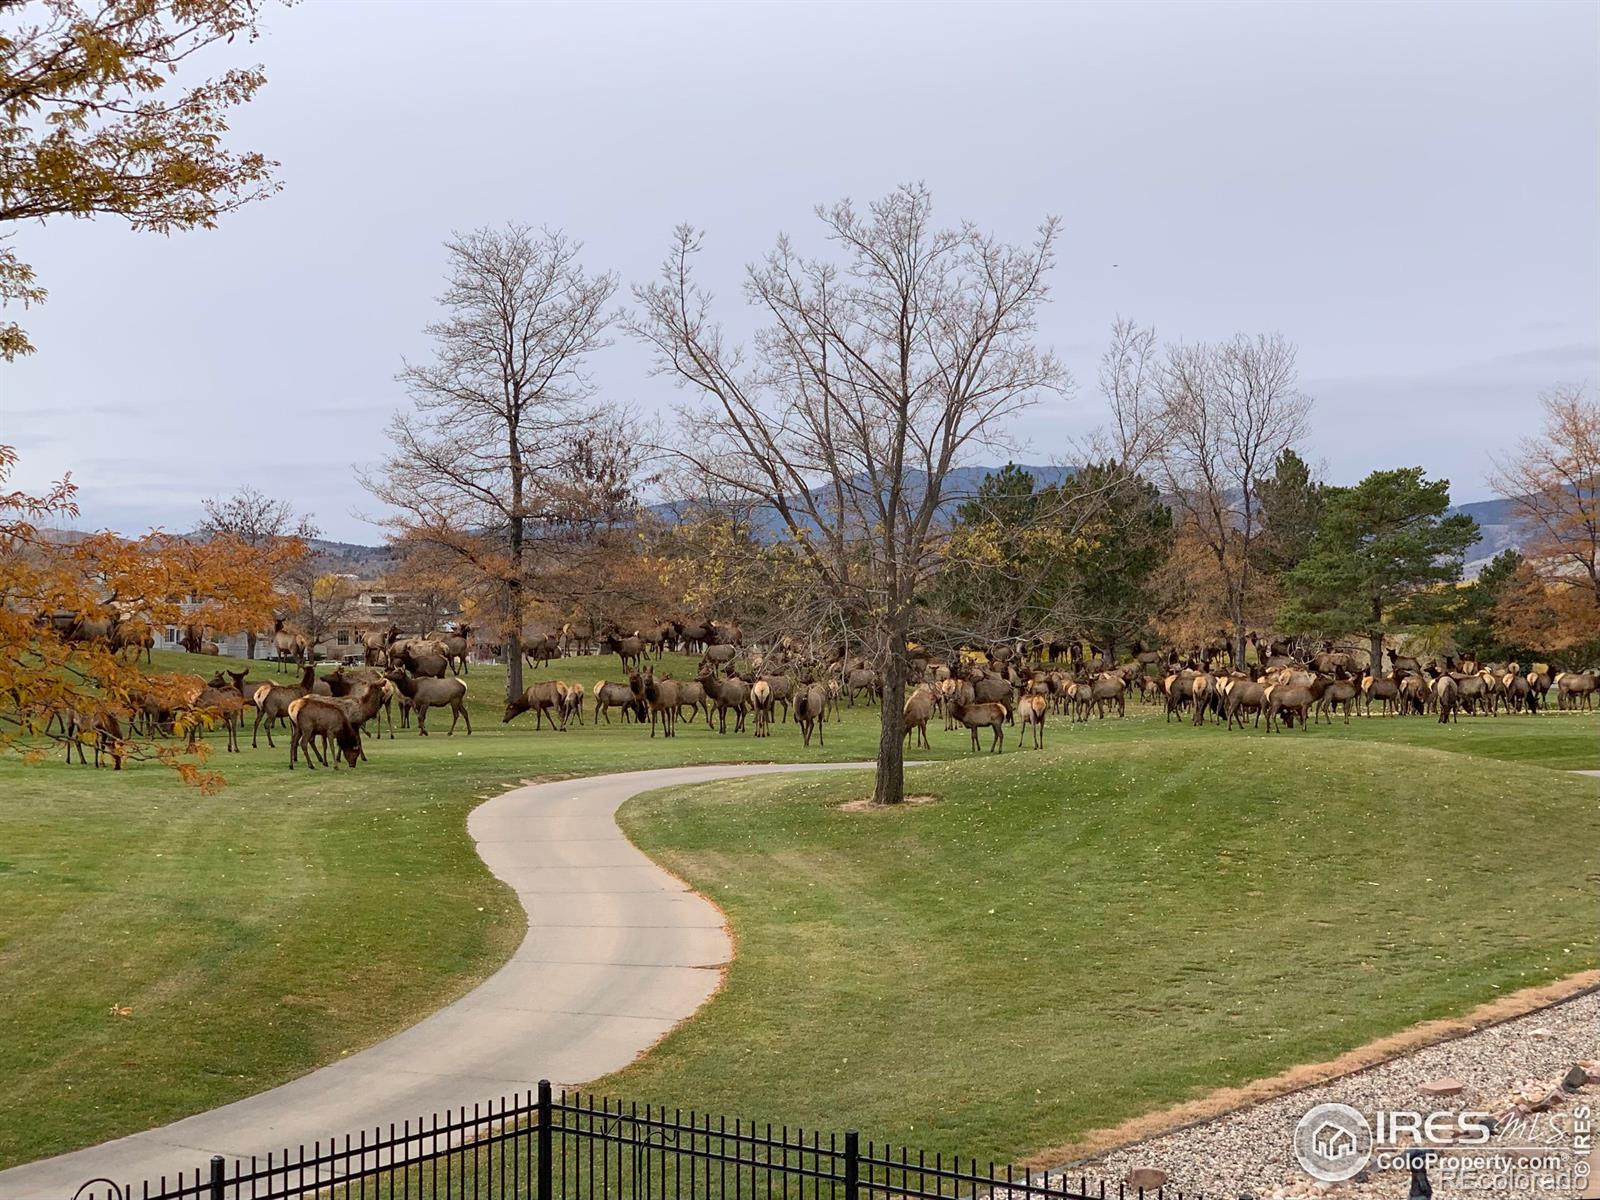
(162, 952)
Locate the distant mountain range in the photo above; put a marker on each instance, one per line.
(1498, 530)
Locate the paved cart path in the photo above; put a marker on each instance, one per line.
(617, 953)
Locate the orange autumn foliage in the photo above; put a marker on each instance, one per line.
(70, 609)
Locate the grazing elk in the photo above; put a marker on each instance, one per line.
(319, 718)
(103, 729)
(1575, 689)
(544, 699)
(617, 695)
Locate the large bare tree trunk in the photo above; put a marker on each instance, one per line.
(889, 786)
(514, 597)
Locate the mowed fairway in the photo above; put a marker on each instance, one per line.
(1135, 917)
(287, 920)
(1172, 909)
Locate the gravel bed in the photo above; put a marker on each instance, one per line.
(1249, 1152)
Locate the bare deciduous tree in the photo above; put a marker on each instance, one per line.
(876, 371)
(257, 520)
(506, 455)
(1553, 485)
(1210, 419)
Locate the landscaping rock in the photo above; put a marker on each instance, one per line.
(1575, 1079)
(1445, 1085)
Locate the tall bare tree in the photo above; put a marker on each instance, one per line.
(1211, 420)
(257, 520)
(505, 455)
(1553, 485)
(878, 368)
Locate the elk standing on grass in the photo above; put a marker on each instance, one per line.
(811, 711)
(616, 695)
(761, 706)
(314, 718)
(543, 699)
(983, 716)
(725, 694)
(919, 707)
(1031, 711)
(272, 702)
(661, 697)
(433, 693)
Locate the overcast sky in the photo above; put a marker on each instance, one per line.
(1410, 192)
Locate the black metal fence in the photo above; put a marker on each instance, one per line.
(578, 1147)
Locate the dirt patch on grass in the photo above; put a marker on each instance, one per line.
(865, 804)
(1230, 1099)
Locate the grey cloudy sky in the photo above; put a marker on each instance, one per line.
(1411, 192)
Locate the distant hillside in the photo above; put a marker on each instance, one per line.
(960, 485)
(1497, 532)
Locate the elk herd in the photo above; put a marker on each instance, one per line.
(1014, 686)
(325, 718)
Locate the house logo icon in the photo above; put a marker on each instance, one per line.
(1333, 1142)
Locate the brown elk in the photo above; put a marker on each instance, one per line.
(1244, 696)
(628, 649)
(319, 718)
(726, 693)
(433, 692)
(1576, 689)
(103, 729)
(135, 636)
(571, 701)
(272, 702)
(1109, 688)
(692, 696)
(214, 704)
(761, 707)
(983, 716)
(287, 646)
(1447, 695)
(918, 708)
(1031, 712)
(544, 699)
(1340, 692)
(452, 646)
(661, 697)
(541, 648)
(719, 654)
(1288, 701)
(811, 711)
(616, 695)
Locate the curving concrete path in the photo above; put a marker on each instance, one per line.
(617, 953)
